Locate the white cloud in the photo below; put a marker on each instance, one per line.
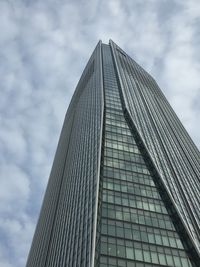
(17, 237)
(43, 50)
(14, 191)
(181, 67)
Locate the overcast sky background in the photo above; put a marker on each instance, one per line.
(44, 46)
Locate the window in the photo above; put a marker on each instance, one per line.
(129, 253)
(112, 249)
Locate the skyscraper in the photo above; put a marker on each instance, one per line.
(124, 186)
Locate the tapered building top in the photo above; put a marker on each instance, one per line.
(124, 186)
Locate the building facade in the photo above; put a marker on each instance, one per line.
(124, 186)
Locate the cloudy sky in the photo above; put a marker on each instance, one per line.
(44, 46)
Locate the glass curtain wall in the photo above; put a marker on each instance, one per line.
(134, 228)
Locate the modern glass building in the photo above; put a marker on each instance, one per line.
(124, 189)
